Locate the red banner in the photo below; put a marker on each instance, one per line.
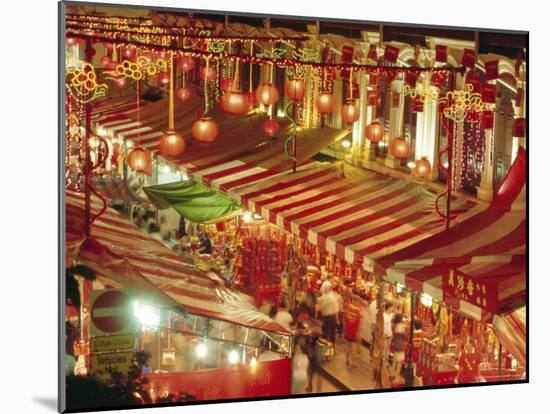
(441, 53)
(468, 58)
(481, 293)
(410, 78)
(491, 70)
(373, 99)
(395, 98)
(266, 379)
(439, 79)
(489, 93)
(417, 105)
(374, 78)
(475, 81)
(518, 128)
(487, 119)
(346, 57)
(390, 53)
(373, 54)
(519, 97)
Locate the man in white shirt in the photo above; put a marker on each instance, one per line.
(284, 318)
(329, 307)
(388, 311)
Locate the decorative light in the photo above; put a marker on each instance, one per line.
(346, 143)
(295, 89)
(121, 83)
(186, 63)
(208, 74)
(399, 287)
(201, 350)
(183, 93)
(105, 61)
(140, 160)
(411, 164)
(350, 112)
(267, 94)
(226, 84)
(233, 357)
(147, 315)
(400, 148)
(234, 102)
(205, 130)
(426, 299)
(171, 143)
(422, 168)
(325, 103)
(253, 362)
(270, 127)
(247, 216)
(374, 132)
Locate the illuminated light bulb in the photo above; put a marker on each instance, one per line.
(201, 350)
(233, 357)
(253, 362)
(247, 216)
(346, 144)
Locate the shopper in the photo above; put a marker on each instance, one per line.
(312, 353)
(352, 320)
(205, 244)
(398, 343)
(388, 310)
(327, 304)
(300, 369)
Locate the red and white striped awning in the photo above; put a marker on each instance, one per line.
(511, 331)
(489, 246)
(358, 222)
(120, 251)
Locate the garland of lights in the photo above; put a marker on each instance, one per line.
(283, 62)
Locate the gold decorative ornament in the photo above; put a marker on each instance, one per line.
(137, 70)
(81, 80)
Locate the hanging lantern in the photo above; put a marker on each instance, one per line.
(252, 101)
(208, 74)
(183, 93)
(400, 148)
(105, 61)
(186, 63)
(267, 94)
(171, 143)
(325, 103)
(422, 168)
(270, 127)
(226, 84)
(128, 52)
(350, 112)
(295, 89)
(163, 78)
(374, 132)
(205, 130)
(139, 160)
(121, 83)
(234, 102)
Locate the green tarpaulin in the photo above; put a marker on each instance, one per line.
(193, 201)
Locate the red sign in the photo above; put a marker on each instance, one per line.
(373, 55)
(390, 53)
(441, 53)
(265, 379)
(481, 293)
(372, 98)
(417, 105)
(110, 311)
(468, 58)
(439, 79)
(410, 78)
(491, 70)
(487, 119)
(473, 79)
(519, 97)
(374, 78)
(489, 93)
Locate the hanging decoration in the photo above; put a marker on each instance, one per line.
(270, 127)
(186, 63)
(295, 89)
(234, 101)
(422, 168)
(267, 94)
(350, 110)
(400, 148)
(205, 130)
(82, 80)
(374, 132)
(325, 102)
(140, 69)
(140, 160)
(171, 143)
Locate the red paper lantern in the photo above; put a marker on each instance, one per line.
(121, 83)
(205, 130)
(234, 102)
(139, 160)
(325, 103)
(226, 84)
(350, 112)
(186, 63)
(270, 127)
(183, 93)
(208, 74)
(171, 143)
(163, 78)
(267, 94)
(105, 61)
(295, 89)
(422, 168)
(400, 148)
(374, 132)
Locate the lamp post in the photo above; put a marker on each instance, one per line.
(410, 367)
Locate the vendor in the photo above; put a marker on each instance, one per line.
(205, 244)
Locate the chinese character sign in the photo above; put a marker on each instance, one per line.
(481, 293)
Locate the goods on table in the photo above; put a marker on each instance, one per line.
(325, 350)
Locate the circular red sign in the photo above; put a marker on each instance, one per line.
(111, 311)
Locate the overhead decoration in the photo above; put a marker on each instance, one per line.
(140, 69)
(270, 127)
(374, 132)
(441, 53)
(468, 58)
(422, 168)
(205, 130)
(325, 102)
(233, 100)
(491, 70)
(267, 94)
(295, 89)
(400, 148)
(81, 79)
(391, 53)
(140, 160)
(171, 143)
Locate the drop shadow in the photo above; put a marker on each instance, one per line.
(48, 402)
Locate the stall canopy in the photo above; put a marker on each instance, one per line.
(359, 220)
(488, 249)
(511, 330)
(120, 251)
(193, 201)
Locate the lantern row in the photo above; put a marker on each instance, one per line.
(284, 62)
